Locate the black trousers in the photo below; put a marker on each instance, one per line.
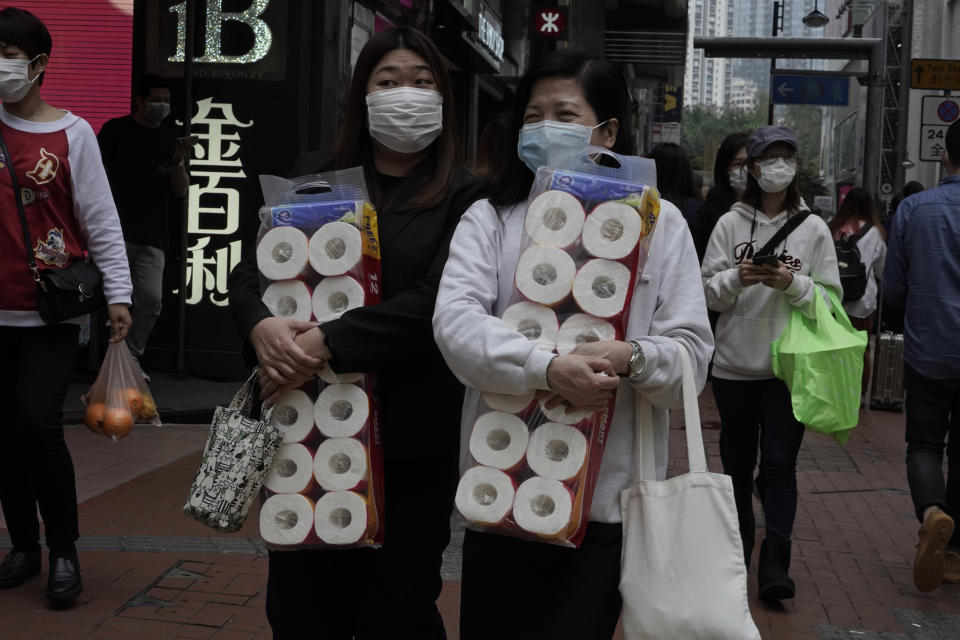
(933, 417)
(35, 465)
(758, 413)
(373, 594)
(514, 589)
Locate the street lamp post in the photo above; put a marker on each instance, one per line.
(777, 27)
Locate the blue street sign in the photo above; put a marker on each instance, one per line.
(832, 91)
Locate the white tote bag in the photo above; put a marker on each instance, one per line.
(682, 572)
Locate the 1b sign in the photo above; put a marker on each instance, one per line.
(937, 113)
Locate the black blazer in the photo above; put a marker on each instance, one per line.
(420, 399)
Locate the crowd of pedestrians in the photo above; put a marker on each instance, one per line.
(750, 255)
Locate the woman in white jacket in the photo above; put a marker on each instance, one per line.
(858, 214)
(518, 589)
(755, 302)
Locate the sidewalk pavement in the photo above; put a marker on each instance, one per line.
(151, 572)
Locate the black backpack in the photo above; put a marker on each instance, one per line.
(853, 273)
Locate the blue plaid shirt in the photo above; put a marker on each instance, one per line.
(922, 274)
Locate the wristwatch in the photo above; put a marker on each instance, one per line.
(637, 360)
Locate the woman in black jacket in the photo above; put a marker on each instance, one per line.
(729, 181)
(419, 186)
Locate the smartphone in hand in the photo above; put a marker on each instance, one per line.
(768, 260)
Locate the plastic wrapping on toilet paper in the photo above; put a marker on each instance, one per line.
(293, 415)
(319, 247)
(289, 299)
(587, 233)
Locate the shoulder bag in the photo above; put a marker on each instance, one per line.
(682, 572)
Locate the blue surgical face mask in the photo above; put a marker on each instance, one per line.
(549, 136)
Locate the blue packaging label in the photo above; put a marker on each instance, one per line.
(592, 190)
(313, 215)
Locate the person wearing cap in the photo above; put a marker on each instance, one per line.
(755, 302)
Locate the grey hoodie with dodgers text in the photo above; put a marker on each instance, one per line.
(753, 317)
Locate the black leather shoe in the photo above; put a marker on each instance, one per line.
(18, 567)
(64, 582)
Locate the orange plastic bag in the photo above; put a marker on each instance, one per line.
(119, 396)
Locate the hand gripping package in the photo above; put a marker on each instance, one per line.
(319, 256)
(588, 229)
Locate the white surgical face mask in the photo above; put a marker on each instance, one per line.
(549, 136)
(157, 111)
(738, 180)
(15, 80)
(405, 119)
(776, 174)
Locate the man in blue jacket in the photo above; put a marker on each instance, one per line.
(922, 274)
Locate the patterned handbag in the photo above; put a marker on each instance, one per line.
(238, 455)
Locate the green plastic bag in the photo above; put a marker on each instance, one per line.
(821, 361)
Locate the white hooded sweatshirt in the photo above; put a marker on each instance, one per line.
(753, 317)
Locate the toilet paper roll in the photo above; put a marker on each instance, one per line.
(559, 413)
(612, 230)
(499, 440)
(341, 517)
(335, 248)
(293, 415)
(282, 253)
(288, 299)
(508, 403)
(292, 470)
(340, 464)
(542, 506)
(334, 295)
(341, 410)
(535, 321)
(580, 328)
(330, 376)
(484, 495)
(556, 451)
(286, 519)
(554, 218)
(545, 274)
(601, 287)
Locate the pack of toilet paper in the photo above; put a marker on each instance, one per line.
(588, 229)
(318, 256)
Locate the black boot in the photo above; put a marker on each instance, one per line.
(64, 582)
(772, 576)
(17, 567)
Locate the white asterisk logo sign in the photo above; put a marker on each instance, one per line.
(550, 22)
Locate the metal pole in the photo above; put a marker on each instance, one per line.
(188, 115)
(773, 62)
(874, 120)
(904, 97)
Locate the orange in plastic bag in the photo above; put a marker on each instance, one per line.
(119, 396)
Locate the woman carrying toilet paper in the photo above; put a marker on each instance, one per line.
(513, 588)
(400, 125)
(755, 302)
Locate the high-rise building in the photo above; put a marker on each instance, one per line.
(707, 80)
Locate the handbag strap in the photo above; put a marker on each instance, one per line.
(15, 183)
(645, 464)
(782, 233)
(243, 400)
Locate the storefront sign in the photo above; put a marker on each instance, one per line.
(490, 33)
(549, 23)
(243, 42)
